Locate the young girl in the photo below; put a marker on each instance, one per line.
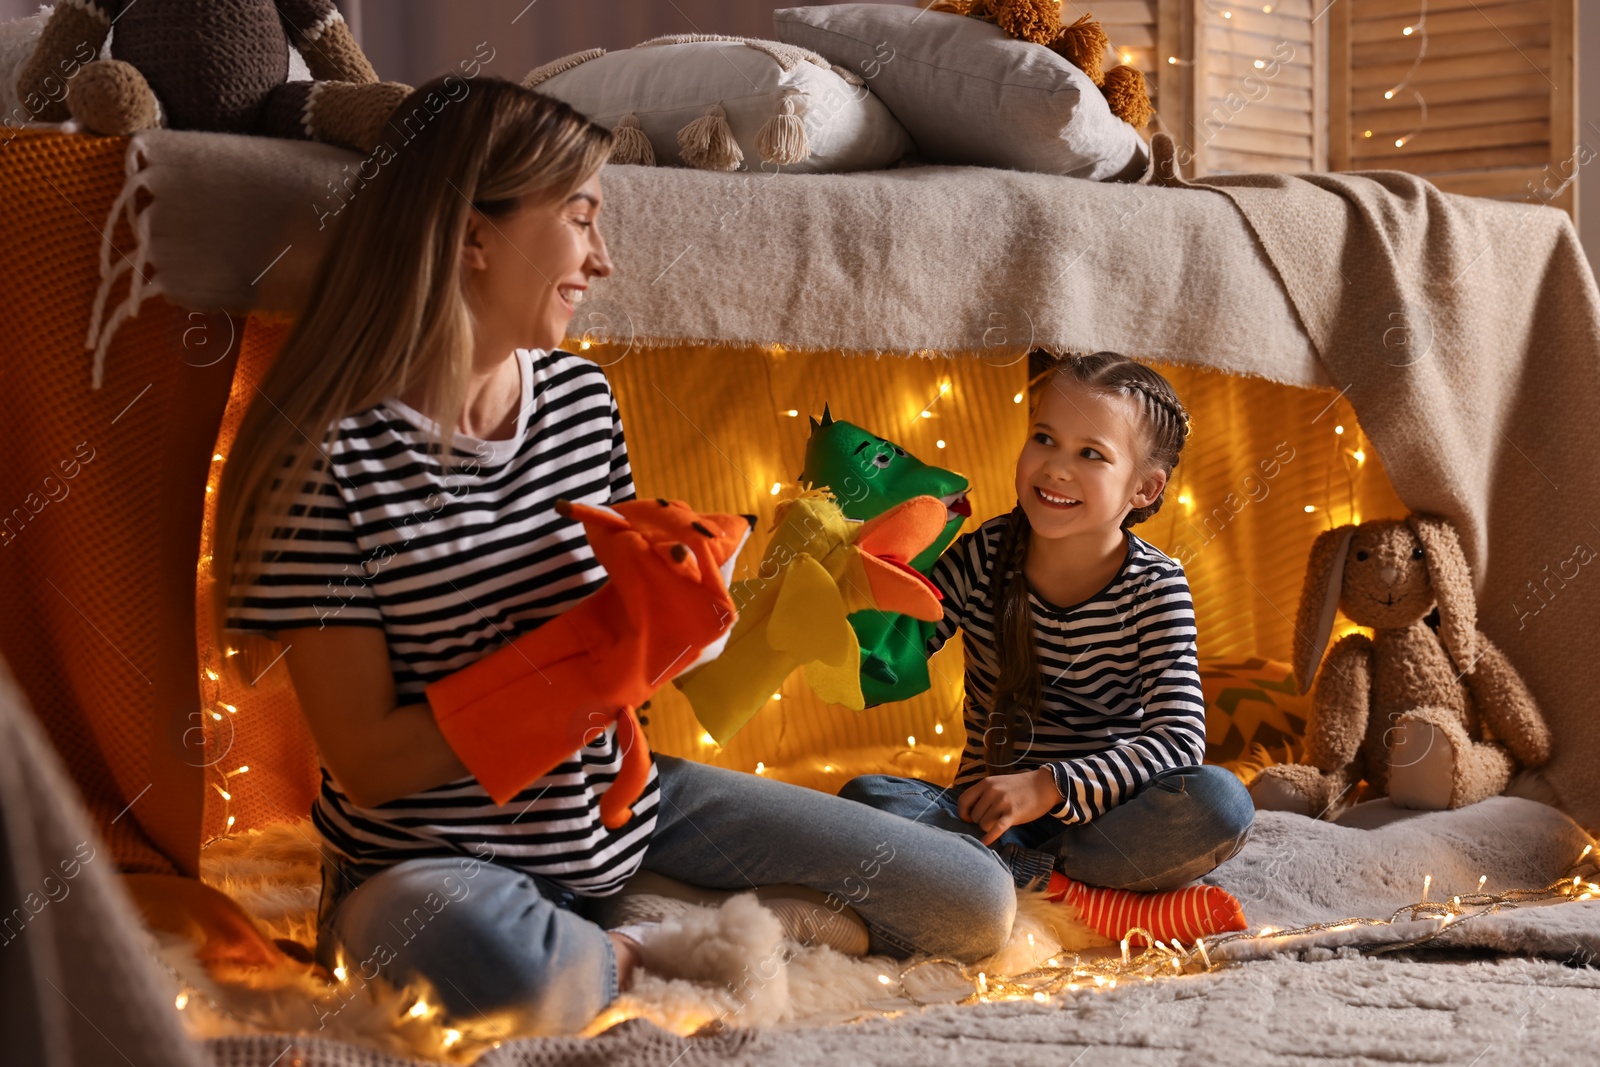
(1084, 717)
(382, 566)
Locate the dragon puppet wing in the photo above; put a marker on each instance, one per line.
(819, 567)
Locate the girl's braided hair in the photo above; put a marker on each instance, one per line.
(1165, 429)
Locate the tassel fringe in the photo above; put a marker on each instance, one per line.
(631, 145)
(782, 139)
(707, 142)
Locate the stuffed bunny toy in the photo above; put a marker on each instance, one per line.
(1426, 710)
(219, 65)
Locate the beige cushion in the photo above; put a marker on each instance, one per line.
(967, 93)
(670, 82)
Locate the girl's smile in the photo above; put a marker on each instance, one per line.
(1079, 473)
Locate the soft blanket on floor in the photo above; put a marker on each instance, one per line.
(1464, 331)
(91, 981)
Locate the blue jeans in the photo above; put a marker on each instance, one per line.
(490, 938)
(1179, 826)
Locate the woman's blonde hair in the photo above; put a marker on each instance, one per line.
(1164, 429)
(387, 310)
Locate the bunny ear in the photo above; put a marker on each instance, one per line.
(1319, 601)
(1452, 586)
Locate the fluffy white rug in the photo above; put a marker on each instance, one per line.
(274, 875)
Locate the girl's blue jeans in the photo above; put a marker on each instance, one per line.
(491, 939)
(1180, 825)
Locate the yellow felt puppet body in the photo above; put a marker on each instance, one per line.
(819, 567)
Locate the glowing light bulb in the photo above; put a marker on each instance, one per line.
(246, 767)
(827, 768)
(1127, 57)
(1172, 59)
(451, 1037)
(1408, 31)
(1361, 457)
(776, 486)
(939, 443)
(1311, 508)
(707, 739)
(761, 768)
(946, 757)
(230, 822)
(911, 742)
(927, 414)
(216, 457)
(419, 1009)
(340, 973)
(211, 674)
(1227, 14)
(884, 979)
(1183, 498)
(777, 696)
(233, 651)
(793, 413)
(1427, 880)
(216, 716)
(181, 1001)
(583, 345)
(1017, 399)
(944, 387)
(1400, 142)
(1260, 63)
(1389, 95)
(1367, 134)
(938, 727)
(1338, 429)
(1040, 997)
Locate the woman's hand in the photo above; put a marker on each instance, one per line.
(1002, 801)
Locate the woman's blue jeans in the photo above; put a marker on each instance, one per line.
(492, 939)
(1180, 825)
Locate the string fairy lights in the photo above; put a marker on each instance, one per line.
(1160, 960)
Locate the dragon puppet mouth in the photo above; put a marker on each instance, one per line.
(957, 505)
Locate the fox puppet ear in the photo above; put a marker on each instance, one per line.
(592, 515)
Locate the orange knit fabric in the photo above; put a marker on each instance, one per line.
(100, 505)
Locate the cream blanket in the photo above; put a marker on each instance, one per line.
(1463, 331)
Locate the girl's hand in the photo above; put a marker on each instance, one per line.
(1002, 801)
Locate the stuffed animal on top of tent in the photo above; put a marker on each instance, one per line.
(204, 65)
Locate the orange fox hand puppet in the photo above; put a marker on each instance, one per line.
(516, 714)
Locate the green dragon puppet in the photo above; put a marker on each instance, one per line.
(869, 475)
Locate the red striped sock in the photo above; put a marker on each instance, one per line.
(1188, 913)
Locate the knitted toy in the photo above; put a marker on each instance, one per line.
(1083, 44)
(514, 715)
(868, 475)
(818, 569)
(1427, 709)
(216, 65)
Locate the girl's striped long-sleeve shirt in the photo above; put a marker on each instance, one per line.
(1121, 698)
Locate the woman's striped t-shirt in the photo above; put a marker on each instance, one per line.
(1121, 678)
(451, 568)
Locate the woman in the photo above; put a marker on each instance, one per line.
(431, 331)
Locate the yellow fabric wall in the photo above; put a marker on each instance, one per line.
(710, 426)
